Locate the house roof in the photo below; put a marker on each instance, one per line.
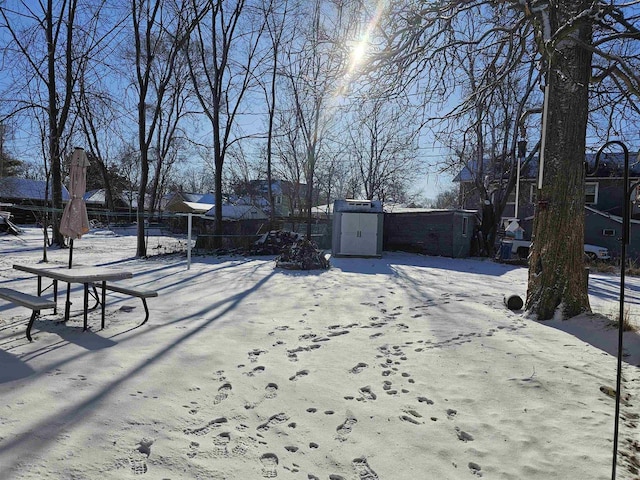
(196, 207)
(99, 197)
(238, 212)
(181, 206)
(610, 165)
(25, 189)
(207, 198)
(178, 196)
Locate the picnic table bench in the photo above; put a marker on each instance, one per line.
(141, 293)
(33, 302)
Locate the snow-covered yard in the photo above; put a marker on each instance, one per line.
(404, 367)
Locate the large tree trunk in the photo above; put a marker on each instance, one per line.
(556, 267)
(54, 129)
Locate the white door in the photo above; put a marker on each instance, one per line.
(368, 234)
(349, 230)
(358, 234)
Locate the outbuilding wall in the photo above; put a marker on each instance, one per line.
(438, 232)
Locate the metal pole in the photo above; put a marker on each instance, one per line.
(67, 305)
(189, 223)
(517, 189)
(626, 223)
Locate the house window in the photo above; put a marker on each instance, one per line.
(533, 193)
(609, 232)
(591, 193)
(465, 226)
(278, 200)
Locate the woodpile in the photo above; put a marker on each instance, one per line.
(293, 251)
(274, 242)
(302, 255)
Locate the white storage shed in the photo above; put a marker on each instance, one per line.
(357, 228)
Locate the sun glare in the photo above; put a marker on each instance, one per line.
(358, 53)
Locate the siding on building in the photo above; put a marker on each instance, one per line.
(445, 233)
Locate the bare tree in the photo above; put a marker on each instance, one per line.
(276, 14)
(222, 56)
(98, 121)
(45, 39)
(486, 133)
(383, 145)
(572, 39)
(316, 73)
(169, 135)
(161, 29)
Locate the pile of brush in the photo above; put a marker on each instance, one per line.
(302, 255)
(274, 242)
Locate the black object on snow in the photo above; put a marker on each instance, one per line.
(513, 302)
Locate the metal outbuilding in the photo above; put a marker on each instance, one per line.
(357, 228)
(446, 233)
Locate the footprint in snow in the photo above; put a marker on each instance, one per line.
(273, 420)
(463, 436)
(301, 373)
(220, 444)
(269, 463)
(138, 458)
(271, 391)
(223, 393)
(345, 428)
(475, 469)
(358, 368)
(362, 468)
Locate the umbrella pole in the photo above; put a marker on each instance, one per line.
(67, 306)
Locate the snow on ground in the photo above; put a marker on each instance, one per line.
(404, 367)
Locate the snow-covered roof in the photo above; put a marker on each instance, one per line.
(198, 207)
(26, 189)
(181, 206)
(238, 212)
(208, 198)
(400, 209)
(355, 205)
(99, 197)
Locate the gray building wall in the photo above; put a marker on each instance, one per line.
(437, 232)
(600, 229)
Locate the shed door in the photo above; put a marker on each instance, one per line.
(359, 234)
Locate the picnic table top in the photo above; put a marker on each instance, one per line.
(80, 274)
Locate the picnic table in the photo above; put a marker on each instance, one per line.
(87, 276)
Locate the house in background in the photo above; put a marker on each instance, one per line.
(238, 212)
(187, 203)
(126, 205)
(603, 197)
(288, 197)
(184, 202)
(27, 198)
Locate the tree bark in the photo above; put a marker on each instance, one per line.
(556, 266)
